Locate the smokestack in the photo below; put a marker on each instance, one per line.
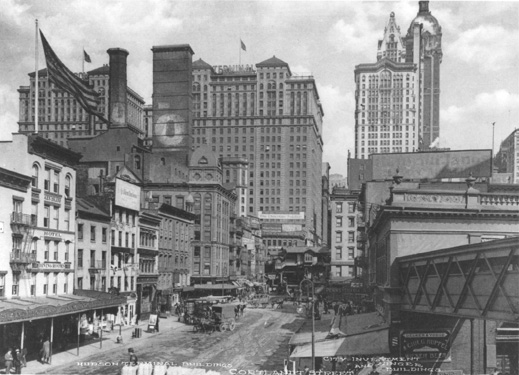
(172, 81)
(118, 105)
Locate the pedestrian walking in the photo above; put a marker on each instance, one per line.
(242, 308)
(24, 359)
(306, 370)
(45, 351)
(133, 357)
(8, 360)
(17, 363)
(336, 307)
(157, 322)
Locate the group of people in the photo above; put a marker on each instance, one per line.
(238, 310)
(15, 359)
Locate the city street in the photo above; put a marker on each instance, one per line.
(259, 342)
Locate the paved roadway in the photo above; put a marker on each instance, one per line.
(259, 342)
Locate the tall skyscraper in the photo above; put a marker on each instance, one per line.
(272, 118)
(398, 97)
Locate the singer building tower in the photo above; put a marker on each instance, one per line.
(398, 97)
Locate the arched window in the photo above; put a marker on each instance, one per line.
(162, 161)
(271, 85)
(196, 87)
(35, 173)
(137, 162)
(68, 180)
(261, 86)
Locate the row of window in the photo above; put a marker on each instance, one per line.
(339, 207)
(339, 253)
(338, 237)
(48, 287)
(51, 182)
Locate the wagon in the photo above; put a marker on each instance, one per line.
(224, 316)
(259, 300)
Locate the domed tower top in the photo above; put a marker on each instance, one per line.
(429, 23)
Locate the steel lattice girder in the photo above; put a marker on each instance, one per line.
(482, 284)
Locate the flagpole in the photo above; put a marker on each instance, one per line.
(239, 46)
(36, 79)
(83, 60)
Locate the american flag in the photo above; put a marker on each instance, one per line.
(63, 78)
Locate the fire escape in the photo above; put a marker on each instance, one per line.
(22, 257)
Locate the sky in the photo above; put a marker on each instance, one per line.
(479, 72)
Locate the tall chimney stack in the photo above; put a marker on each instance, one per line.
(118, 104)
(172, 86)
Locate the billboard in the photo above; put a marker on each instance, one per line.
(294, 216)
(127, 195)
(433, 164)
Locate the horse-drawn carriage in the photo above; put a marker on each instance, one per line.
(217, 317)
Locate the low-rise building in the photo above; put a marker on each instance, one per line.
(93, 241)
(38, 298)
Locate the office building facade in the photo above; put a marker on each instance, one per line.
(397, 97)
(60, 115)
(272, 118)
(507, 158)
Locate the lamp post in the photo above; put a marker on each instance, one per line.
(313, 318)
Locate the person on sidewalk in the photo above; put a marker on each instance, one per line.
(8, 360)
(133, 358)
(45, 351)
(17, 363)
(157, 322)
(23, 357)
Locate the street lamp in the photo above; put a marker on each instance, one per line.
(313, 317)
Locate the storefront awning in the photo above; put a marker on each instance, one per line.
(306, 337)
(368, 343)
(354, 324)
(215, 286)
(23, 309)
(360, 334)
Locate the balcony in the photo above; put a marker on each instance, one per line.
(19, 257)
(97, 265)
(18, 218)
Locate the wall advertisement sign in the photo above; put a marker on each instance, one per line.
(433, 165)
(127, 195)
(426, 345)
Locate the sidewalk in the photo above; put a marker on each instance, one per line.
(109, 343)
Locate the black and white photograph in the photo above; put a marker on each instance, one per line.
(259, 187)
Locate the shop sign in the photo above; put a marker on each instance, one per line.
(429, 345)
(52, 198)
(48, 266)
(51, 234)
(51, 265)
